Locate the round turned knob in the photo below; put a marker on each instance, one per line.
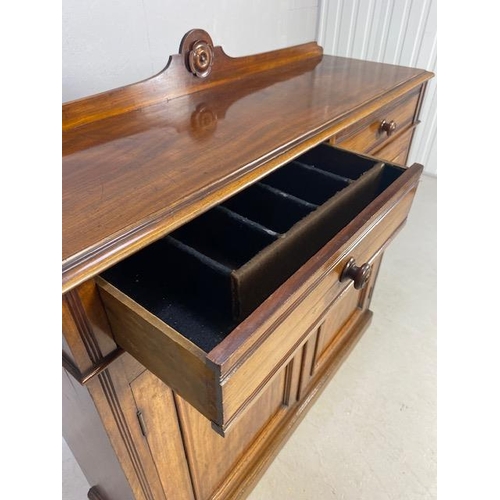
(388, 127)
(201, 59)
(360, 275)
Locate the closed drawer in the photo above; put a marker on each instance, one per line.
(397, 150)
(183, 328)
(368, 135)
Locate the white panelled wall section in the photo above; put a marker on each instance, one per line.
(400, 32)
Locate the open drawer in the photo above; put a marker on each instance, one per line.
(216, 308)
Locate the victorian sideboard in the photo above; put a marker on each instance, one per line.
(223, 225)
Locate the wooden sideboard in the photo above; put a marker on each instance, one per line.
(223, 225)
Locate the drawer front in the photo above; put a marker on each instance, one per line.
(397, 150)
(245, 379)
(368, 136)
(223, 382)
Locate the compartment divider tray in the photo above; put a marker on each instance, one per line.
(211, 273)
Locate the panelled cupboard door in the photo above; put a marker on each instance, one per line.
(157, 417)
(214, 458)
(338, 324)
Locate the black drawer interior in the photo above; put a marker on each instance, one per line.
(207, 276)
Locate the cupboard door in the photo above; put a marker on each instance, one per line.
(213, 458)
(157, 417)
(100, 417)
(338, 325)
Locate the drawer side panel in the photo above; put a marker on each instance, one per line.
(161, 349)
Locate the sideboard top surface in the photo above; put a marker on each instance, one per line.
(134, 172)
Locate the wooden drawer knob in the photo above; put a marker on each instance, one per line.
(360, 275)
(201, 59)
(388, 127)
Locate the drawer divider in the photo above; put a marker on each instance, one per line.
(326, 173)
(305, 182)
(205, 259)
(249, 222)
(292, 197)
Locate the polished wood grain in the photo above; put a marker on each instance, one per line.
(396, 151)
(362, 236)
(239, 482)
(156, 405)
(240, 384)
(212, 456)
(335, 328)
(142, 160)
(221, 384)
(83, 378)
(375, 262)
(308, 355)
(151, 149)
(339, 319)
(338, 314)
(177, 80)
(87, 341)
(367, 136)
(402, 157)
(165, 352)
(363, 137)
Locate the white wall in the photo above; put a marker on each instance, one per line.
(112, 43)
(400, 32)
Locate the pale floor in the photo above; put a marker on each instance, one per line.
(372, 433)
